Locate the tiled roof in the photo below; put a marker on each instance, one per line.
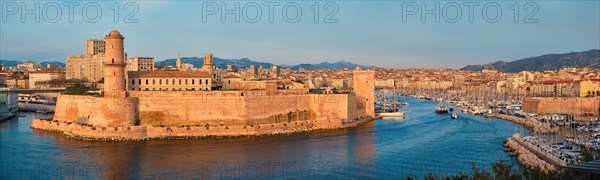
(168, 74)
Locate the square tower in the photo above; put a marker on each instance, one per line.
(208, 64)
(364, 89)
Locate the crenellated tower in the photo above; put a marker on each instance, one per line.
(364, 88)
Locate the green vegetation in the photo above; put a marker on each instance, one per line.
(79, 89)
(507, 171)
(59, 83)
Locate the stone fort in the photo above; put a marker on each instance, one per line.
(124, 114)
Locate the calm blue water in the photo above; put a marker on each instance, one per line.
(421, 143)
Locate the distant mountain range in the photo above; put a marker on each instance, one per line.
(15, 63)
(589, 59)
(245, 62)
(335, 65)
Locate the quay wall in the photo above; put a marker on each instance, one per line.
(24, 106)
(574, 106)
(541, 153)
(526, 157)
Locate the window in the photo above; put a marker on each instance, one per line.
(113, 61)
(139, 81)
(160, 82)
(146, 83)
(206, 81)
(173, 82)
(186, 81)
(167, 81)
(192, 81)
(179, 83)
(199, 81)
(133, 82)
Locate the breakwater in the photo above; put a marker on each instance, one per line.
(535, 125)
(126, 133)
(526, 157)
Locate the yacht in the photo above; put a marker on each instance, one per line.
(441, 109)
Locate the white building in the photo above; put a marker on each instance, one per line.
(40, 76)
(9, 100)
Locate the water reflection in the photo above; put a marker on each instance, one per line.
(423, 142)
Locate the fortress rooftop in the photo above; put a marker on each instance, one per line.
(168, 74)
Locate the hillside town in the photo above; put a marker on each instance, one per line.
(564, 101)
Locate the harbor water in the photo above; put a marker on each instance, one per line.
(421, 143)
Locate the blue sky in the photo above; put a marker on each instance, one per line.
(380, 33)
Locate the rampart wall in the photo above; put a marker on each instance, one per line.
(573, 106)
(97, 110)
(102, 133)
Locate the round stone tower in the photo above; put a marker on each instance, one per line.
(114, 65)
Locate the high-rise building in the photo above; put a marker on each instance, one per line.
(140, 64)
(87, 67)
(275, 72)
(254, 70)
(114, 65)
(94, 46)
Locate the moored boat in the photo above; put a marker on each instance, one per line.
(391, 114)
(454, 116)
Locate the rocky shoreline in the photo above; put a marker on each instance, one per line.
(535, 125)
(284, 131)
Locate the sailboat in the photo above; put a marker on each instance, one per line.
(392, 112)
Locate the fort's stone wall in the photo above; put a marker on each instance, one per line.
(573, 106)
(97, 110)
(175, 108)
(78, 131)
